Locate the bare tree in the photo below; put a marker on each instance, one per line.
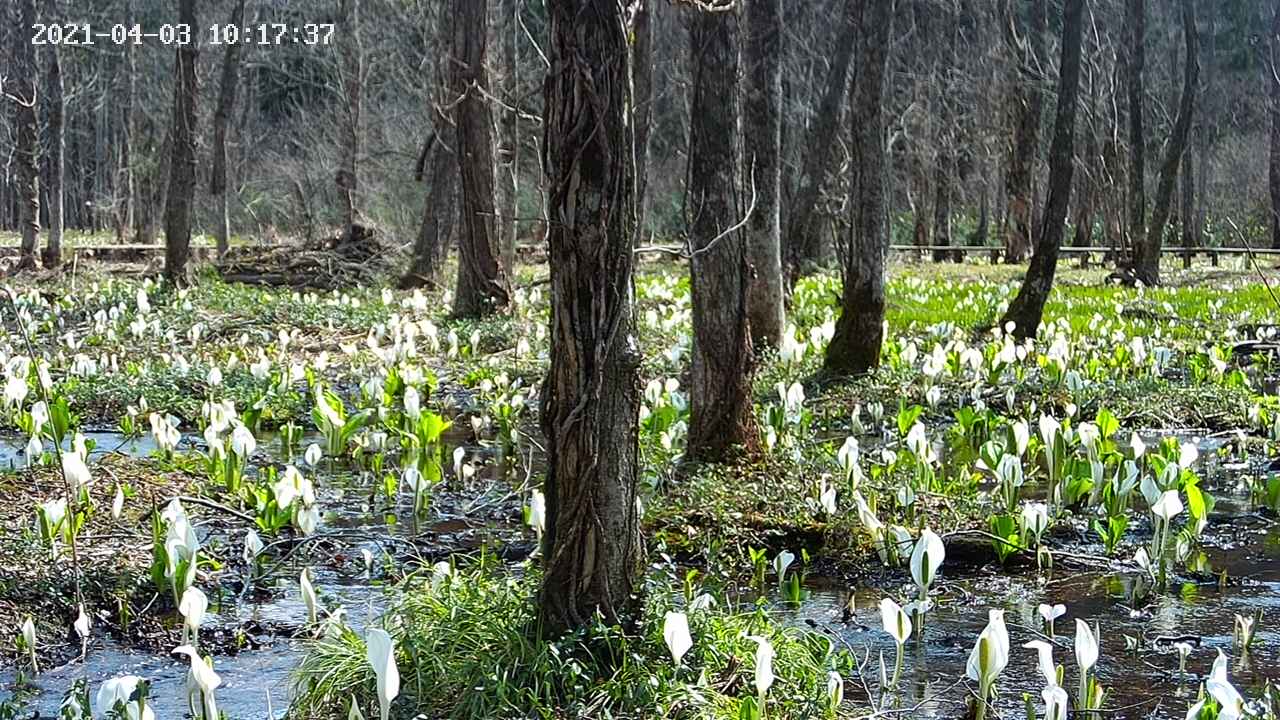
(348, 178)
(182, 162)
(859, 334)
(1027, 308)
(1147, 257)
(221, 117)
(27, 150)
(482, 284)
(1027, 102)
(56, 183)
(803, 235)
(592, 549)
(720, 399)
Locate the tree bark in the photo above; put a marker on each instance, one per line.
(1028, 103)
(482, 284)
(56, 185)
(438, 168)
(1135, 27)
(1027, 308)
(642, 82)
(124, 174)
(763, 168)
(1273, 86)
(592, 552)
(221, 118)
(27, 150)
(803, 244)
(1147, 265)
(348, 178)
(182, 161)
(723, 364)
(507, 124)
(859, 333)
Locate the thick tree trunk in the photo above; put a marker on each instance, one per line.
(1027, 104)
(763, 169)
(482, 285)
(1027, 308)
(348, 178)
(27, 149)
(56, 184)
(221, 118)
(1135, 30)
(182, 162)
(803, 237)
(859, 333)
(1147, 265)
(592, 553)
(723, 363)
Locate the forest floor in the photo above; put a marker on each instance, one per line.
(1180, 361)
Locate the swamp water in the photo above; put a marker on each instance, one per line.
(1145, 684)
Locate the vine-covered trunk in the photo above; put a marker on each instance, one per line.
(763, 168)
(1027, 308)
(482, 284)
(723, 364)
(855, 347)
(592, 552)
(182, 160)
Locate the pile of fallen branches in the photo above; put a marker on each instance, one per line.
(360, 256)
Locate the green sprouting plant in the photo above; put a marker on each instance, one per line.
(267, 513)
(759, 565)
(331, 418)
(1007, 539)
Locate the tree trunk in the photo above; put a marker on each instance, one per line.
(723, 363)
(1135, 27)
(182, 161)
(1028, 102)
(859, 333)
(1147, 265)
(124, 175)
(507, 127)
(348, 178)
(763, 170)
(55, 187)
(642, 82)
(221, 117)
(1273, 85)
(482, 285)
(803, 244)
(1027, 308)
(27, 149)
(942, 204)
(592, 552)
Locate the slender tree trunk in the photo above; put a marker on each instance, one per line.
(1189, 198)
(124, 174)
(1147, 267)
(763, 169)
(27, 150)
(182, 163)
(507, 186)
(221, 117)
(855, 347)
(56, 184)
(1273, 86)
(348, 179)
(723, 363)
(482, 284)
(592, 552)
(1207, 130)
(803, 236)
(642, 82)
(1027, 308)
(1135, 26)
(942, 203)
(1028, 103)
